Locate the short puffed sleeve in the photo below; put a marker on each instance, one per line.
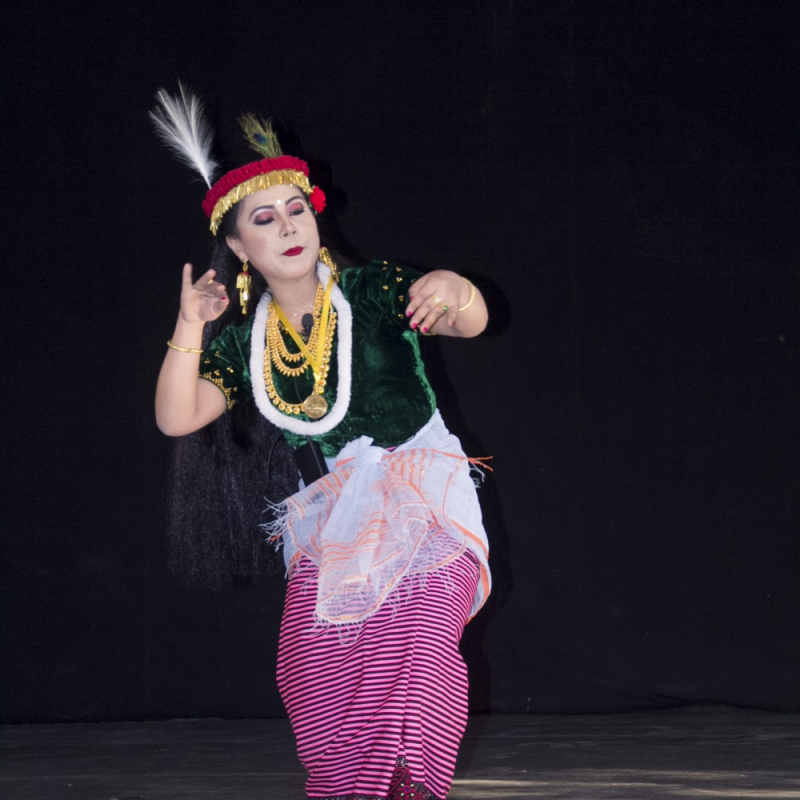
(226, 363)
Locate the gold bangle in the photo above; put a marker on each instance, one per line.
(183, 349)
(471, 294)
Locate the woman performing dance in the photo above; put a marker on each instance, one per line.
(383, 542)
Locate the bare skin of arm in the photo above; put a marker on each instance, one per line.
(184, 402)
(445, 288)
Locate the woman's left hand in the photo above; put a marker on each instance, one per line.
(435, 300)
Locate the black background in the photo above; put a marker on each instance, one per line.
(621, 178)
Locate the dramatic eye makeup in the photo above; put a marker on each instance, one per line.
(264, 217)
(266, 214)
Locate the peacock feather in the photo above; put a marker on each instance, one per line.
(260, 136)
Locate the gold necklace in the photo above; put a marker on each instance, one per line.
(315, 405)
(281, 357)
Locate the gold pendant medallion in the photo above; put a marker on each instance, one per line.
(315, 406)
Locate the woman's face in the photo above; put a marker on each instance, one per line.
(277, 233)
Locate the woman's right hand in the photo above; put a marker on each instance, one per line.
(184, 401)
(204, 300)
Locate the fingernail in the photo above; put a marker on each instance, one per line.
(452, 322)
(413, 325)
(409, 312)
(424, 330)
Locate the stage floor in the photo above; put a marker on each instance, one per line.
(698, 752)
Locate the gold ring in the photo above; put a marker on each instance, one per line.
(436, 299)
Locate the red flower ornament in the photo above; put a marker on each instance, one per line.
(317, 199)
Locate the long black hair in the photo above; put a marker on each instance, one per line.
(224, 477)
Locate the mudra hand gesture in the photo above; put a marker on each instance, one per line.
(203, 300)
(435, 302)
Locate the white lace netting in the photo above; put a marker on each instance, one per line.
(381, 516)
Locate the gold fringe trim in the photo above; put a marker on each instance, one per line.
(280, 177)
(209, 376)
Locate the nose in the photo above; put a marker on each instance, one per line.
(288, 227)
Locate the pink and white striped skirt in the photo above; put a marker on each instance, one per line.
(379, 715)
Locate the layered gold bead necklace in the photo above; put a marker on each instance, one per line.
(316, 354)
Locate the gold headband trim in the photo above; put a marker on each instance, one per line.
(280, 177)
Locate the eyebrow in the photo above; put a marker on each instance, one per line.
(272, 207)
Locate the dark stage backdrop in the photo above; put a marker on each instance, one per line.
(620, 178)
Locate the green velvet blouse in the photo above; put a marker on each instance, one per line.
(391, 398)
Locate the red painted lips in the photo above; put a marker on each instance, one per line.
(293, 251)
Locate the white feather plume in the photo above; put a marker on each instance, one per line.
(179, 121)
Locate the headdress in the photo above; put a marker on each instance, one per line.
(180, 122)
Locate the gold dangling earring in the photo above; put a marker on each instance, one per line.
(325, 258)
(244, 283)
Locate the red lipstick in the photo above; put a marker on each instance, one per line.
(293, 251)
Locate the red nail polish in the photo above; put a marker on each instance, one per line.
(409, 313)
(424, 330)
(413, 325)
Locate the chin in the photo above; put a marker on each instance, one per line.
(307, 265)
(302, 269)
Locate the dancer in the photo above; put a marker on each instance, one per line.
(383, 542)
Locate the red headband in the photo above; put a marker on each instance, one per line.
(264, 174)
